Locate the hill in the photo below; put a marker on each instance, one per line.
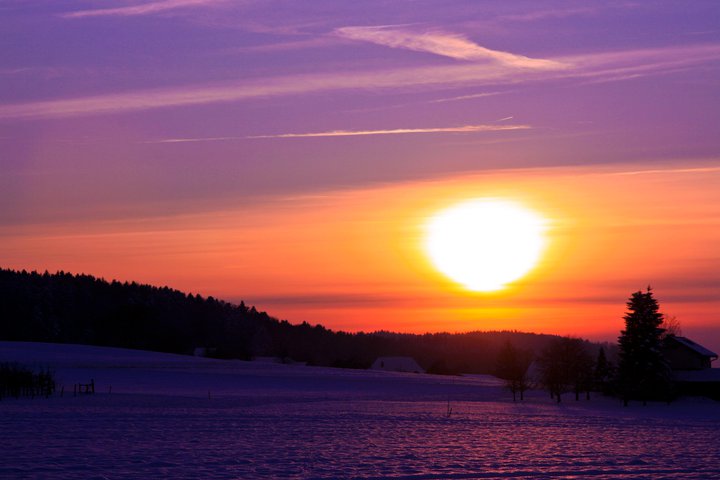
(67, 308)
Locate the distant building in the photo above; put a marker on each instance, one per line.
(204, 351)
(397, 364)
(691, 364)
(684, 354)
(283, 360)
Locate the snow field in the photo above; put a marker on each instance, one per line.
(284, 421)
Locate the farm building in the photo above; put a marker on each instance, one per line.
(691, 365)
(397, 364)
(684, 354)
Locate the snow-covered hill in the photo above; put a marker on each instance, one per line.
(172, 416)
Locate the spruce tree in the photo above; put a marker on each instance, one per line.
(643, 372)
(602, 371)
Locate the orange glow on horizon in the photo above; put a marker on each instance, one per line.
(354, 259)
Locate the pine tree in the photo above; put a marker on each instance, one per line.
(602, 371)
(643, 372)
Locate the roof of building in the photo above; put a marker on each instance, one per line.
(397, 364)
(694, 346)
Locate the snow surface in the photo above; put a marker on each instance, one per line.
(172, 416)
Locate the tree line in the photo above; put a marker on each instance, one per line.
(564, 365)
(21, 381)
(69, 308)
(638, 371)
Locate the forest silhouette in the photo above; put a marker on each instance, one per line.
(77, 308)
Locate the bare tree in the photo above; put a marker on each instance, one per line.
(671, 326)
(512, 366)
(566, 364)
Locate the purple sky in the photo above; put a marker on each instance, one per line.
(135, 110)
(91, 90)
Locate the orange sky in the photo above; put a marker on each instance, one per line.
(290, 157)
(353, 259)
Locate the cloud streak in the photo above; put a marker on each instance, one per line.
(399, 131)
(195, 139)
(353, 133)
(290, 85)
(142, 9)
(466, 97)
(666, 171)
(592, 66)
(444, 44)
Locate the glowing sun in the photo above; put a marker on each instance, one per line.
(484, 244)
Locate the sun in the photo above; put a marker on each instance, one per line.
(484, 244)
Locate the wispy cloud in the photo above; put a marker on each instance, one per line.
(14, 71)
(590, 66)
(669, 170)
(269, 87)
(646, 59)
(399, 131)
(353, 133)
(193, 140)
(465, 97)
(331, 300)
(142, 9)
(445, 44)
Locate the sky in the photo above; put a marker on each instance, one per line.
(290, 154)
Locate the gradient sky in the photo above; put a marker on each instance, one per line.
(289, 153)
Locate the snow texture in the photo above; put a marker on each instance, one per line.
(172, 416)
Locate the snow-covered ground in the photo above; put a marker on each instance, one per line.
(171, 416)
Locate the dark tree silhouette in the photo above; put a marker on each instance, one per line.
(603, 372)
(512, 367)
(643, 372)
(67, 308)
(18, 380)
(566, 364)
(582, 369)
